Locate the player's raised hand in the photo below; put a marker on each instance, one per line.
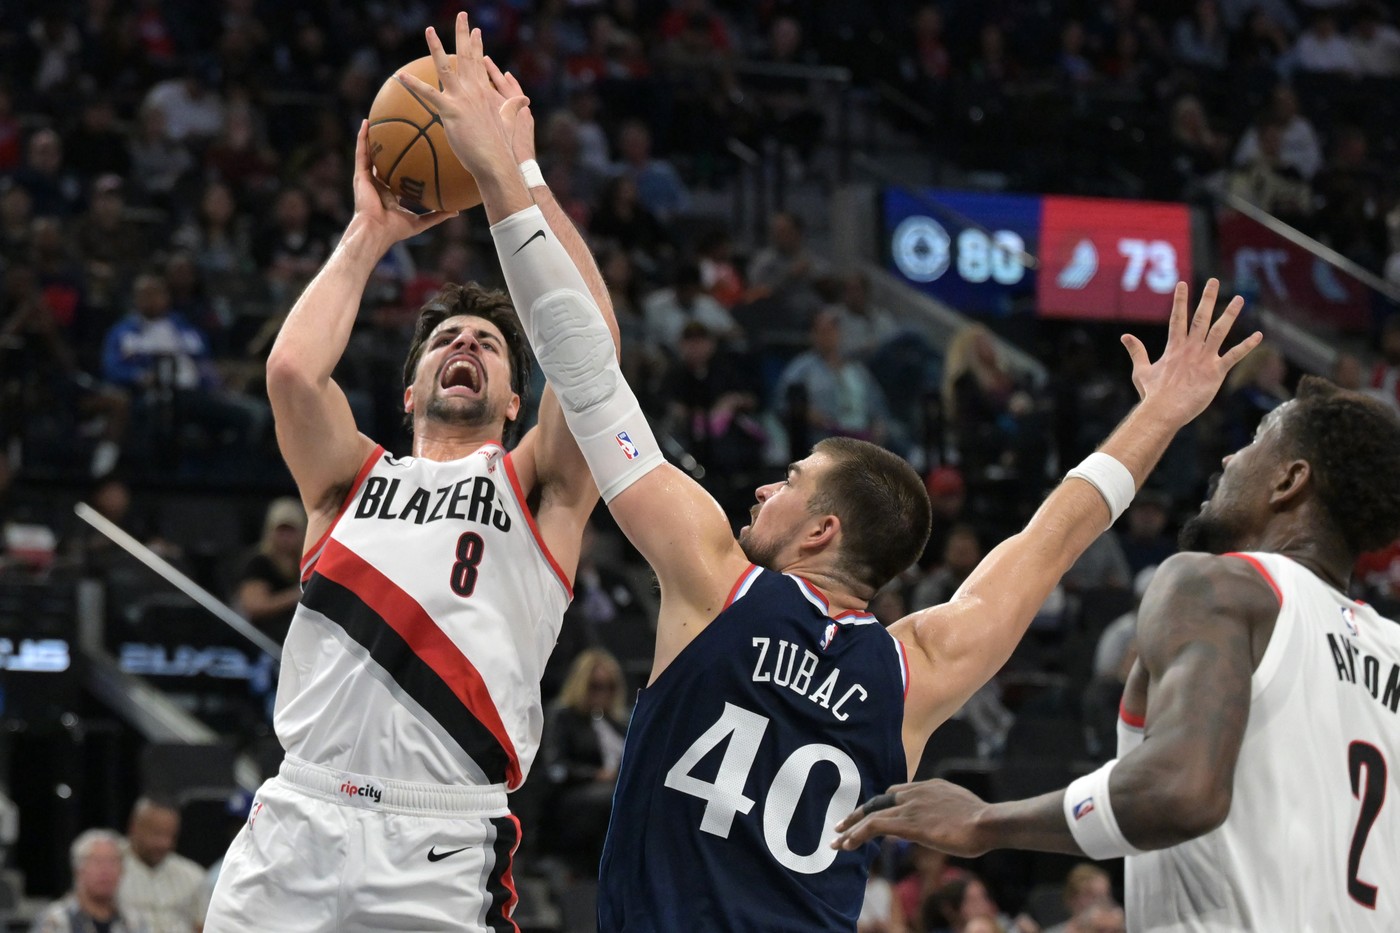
(936, 814)
(375, 204)
(1184, 380)
(518, 123)
(471, 108)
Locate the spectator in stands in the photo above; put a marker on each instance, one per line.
(218, 236)
(158, 163)
(1321, 48)
(268, 587)
(961, 554)
(947, 493)
(842, 398)
(1252, 390)
(109, 243)
(16, 218)
(1103, 917)
(719, 274)
(786, 109)
(1199, 153)
(659, 185)
(294, 243)
(96, 146)
(1072, 64)
(239, 156)
(54, 190)
(1200, 39)
(964, 905)
(926, 67)
(865, 326)
(1350, 193)
(164, 361)
(1375, 43)
(786, 269)
(96, 859)
(584, 107)
(562, 160)
(194, 110)
(1102, 566)
(1114, 655)
(166, 887)
(1145, 540)
(1086, 886)
(711, 408)
(580, 751)
(992, 418)
(57, 50)
(1298, 148)
(669, 310)
(930, 871)
(621, 218)
(1270, 183)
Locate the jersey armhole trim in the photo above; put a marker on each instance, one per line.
(741, 585)
(535, 529)
(1258, 565)
(308, 563)
(903, 665)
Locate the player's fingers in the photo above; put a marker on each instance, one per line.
(1205, 308)
(498, 78)
(424, 90)
(512, 84)
(1242, 349)
(441, 60)
(878, 824)
(362, 158)
(1176, 324)
(1136, 351)
(513, 106)
(428, 221)
(1221, 328)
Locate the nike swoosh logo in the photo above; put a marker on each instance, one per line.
(537, 233)
(439, 856)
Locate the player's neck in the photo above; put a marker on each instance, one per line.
(444, 443)
(834, 589)
(1315, 549)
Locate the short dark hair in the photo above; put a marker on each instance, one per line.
(1352, 445)
(883, 507)
(489, 304)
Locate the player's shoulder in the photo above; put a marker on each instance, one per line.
(1234, 583)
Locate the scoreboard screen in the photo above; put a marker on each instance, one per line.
(1098, 258)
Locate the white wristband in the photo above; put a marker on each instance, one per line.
(530, 171)
(1113, 481)
(1090, 817)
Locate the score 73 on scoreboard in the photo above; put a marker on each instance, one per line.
(1098, 258)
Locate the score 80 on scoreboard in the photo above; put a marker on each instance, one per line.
(1098, 258)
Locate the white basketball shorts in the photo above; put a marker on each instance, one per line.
(330, 851)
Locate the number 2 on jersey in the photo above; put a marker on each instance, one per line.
(470, 550)
(724, 796)
(1371, 794)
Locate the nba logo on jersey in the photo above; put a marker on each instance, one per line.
(629, 449)
(828, 635)
(1349, 619)
(1083, 808)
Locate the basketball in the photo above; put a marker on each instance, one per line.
(409, 146)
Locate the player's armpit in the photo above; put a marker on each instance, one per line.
(680, 530)
(1196, 630)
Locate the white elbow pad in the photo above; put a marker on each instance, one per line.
(1090, 816)
(576, 352)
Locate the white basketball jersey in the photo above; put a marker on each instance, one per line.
(427, 614)
(1312, 842)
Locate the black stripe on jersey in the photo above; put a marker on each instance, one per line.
(496, 888)
(413, 675)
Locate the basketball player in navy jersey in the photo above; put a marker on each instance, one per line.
(1259, 729)
(776, 701)
(434, 588)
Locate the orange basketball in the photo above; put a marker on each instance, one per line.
(410, 150)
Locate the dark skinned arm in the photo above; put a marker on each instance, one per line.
(1197, 628)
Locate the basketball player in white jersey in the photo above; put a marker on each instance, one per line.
(1261, 723)
(433, 590)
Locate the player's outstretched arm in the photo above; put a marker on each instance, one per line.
(315, 428)
(1195, 628)
(957, 647)
(675, 524)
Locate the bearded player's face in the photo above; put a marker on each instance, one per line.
(463, 377)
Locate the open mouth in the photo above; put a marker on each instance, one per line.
(462, 373)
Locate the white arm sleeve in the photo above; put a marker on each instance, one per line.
(576, 352)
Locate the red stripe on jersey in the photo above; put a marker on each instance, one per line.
(814, 592)
(534, 529)
(1257, 565)
(1137, 722)
(308, 559)
(738, 585)
(418, 630)
(508, 879)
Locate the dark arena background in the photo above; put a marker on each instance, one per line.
(925, 224)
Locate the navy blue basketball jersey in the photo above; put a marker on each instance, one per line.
(768, 728)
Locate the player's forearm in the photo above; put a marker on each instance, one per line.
(1164, 799)
(1036, 824)
(503, 191)
(564, 229)
(317, 330)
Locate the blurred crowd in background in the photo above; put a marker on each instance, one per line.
(172, 174)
